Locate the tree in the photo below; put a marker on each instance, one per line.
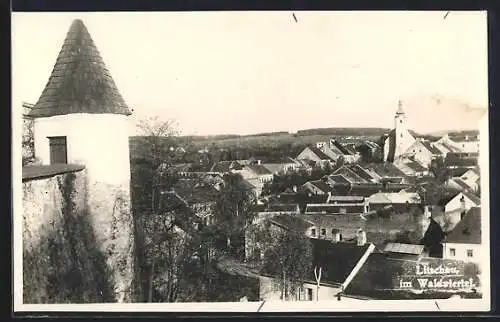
(151, 160)
(289, 258)
(234, 212)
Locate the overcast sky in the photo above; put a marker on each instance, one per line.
(250, 72)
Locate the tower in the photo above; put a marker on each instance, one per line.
(400, 128)
(399, 139)
(81, 118)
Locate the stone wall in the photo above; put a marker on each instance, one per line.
(77, 241)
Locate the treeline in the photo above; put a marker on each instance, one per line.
(354, 131)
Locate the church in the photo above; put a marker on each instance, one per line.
(399, 139)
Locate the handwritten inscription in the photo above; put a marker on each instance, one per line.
(437, 277)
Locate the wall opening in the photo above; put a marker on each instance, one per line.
(58, 150)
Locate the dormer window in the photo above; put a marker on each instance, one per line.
(58, 150)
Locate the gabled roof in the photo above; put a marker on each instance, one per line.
(193, 191)
(404, 248)
(349, 174)
(344, 150)
(226, 166)
(289, 222)
(321, 185)
(279, 207)
(339, 178)
(432, 149)
(337, 260)
(80, 81)
(321, 155)
(258, 169)
(468, 230)
(360, 171)
(395, 197)
(473, 197)
(462, 184)
(415, 166)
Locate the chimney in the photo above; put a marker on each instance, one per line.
(337, 236)
(259, 161)
(361, 236)
(462, 207)
(427, 212)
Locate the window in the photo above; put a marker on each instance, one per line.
(343, 210)
(309, 294)
(452, 251)
(470, 253)
(313, 232)
(401, 134)
(58, 150)
(400, 121)
(323, 232)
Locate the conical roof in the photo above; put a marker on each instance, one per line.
(80, 82)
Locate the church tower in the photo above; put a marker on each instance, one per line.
(399, 139)
(81, 118)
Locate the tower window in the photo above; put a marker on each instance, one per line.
(400, 121)
(58, 150)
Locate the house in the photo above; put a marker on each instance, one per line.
(400, 201)
(338, 150)
(201, 197)
(340, 205)
(461, 160)
(312, 153)
(472, 178)
(260, 171)
(422, 151)
(368, 150)
(316, 187)
(462, 201)
(464, 141)
(339, 262)
(412, 168)
(457, 184)
(380, 279)
(464, 241)
(399, 139)
(226, 167)
(407, 251)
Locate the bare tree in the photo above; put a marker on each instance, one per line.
(288, 254)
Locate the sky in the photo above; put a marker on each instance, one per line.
(252, 72)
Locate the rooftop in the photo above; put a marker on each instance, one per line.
(289, 222)
(468, 230)
(34, 172)
(80, 81)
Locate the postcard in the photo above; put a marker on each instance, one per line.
(264, 161)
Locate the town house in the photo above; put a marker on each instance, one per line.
(464, 241)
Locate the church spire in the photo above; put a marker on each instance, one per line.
(400, 108)
(80, 81)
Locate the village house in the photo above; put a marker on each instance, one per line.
(464, 241)
(316, 187)
(312, 153)
(471, 177)
(464, 141)
(400, 201)
(340, 205)
(412, 168)
(336, 275)
(458, 184)
(223, 167)
(456, 160)
(399, 139)
(335, 151)
(462, 201)
(422, 151)
(404, 251)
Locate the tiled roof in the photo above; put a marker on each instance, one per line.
(80, 81)
(339, 178)
(341, 148)
(321, 185)
(337, 260)
(404, 248)
(258, 169)
(225, 166)
(473, 197)
(360, 171)
(395, 197)
(468, 230)
(319, 153)
(341, 199)
(349, 174)
(384, 170)
(195, 192)
(415, 166)
(277, 207)
(461, 183)
(274, 167)
(430, 147)
(291, 222)
(334, 209)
